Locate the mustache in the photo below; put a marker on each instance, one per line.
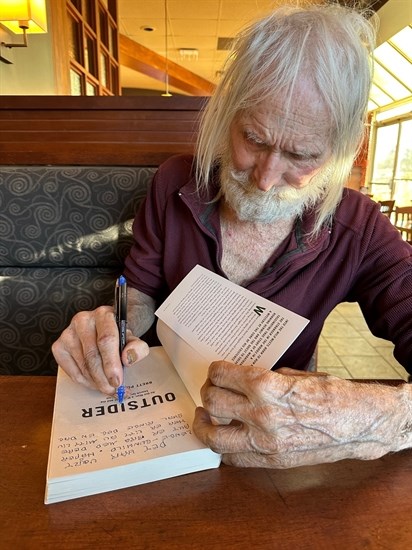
(279, 202)
(245, 179)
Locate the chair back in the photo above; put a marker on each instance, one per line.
(387, 207)
(403, 221)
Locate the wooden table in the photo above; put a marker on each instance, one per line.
(348, 505)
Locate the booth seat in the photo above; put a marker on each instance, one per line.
(64, 233)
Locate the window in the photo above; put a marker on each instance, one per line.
(392, 163)
(93, 47)
(390, 156)
(392, 78)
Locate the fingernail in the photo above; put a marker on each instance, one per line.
(131, 357)
(114, 381)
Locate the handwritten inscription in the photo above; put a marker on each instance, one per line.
(140, 438)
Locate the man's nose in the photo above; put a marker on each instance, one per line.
(269, 170)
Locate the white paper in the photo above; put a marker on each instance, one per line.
(224, 321)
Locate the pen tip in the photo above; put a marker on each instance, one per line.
(122, 280)
(120, 394)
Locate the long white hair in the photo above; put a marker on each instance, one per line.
(331, 45)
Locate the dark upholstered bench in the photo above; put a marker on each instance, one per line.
(64, 233)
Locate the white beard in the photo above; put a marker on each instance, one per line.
(279, 203)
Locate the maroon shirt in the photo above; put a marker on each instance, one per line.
(360, 258)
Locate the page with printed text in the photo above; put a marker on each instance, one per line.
(208, 318)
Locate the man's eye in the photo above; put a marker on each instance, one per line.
(302, 157)
(297, 156)
(254, 140)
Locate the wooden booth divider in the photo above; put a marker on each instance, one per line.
(121, 131)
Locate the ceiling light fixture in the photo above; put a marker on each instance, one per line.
(23, 16)
(166, 92)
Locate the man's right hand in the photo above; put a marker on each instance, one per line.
(88, 350)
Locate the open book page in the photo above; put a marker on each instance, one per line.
(218, 319)
(146, 438)
(190, 365)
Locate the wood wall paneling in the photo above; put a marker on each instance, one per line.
(128, 131)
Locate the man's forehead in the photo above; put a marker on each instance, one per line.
(272, 116)
(305, 104)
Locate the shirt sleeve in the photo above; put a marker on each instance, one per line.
(145, 264)
(383, 285)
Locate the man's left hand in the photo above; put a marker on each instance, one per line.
(287, 418)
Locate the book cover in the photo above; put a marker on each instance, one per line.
(99, 445)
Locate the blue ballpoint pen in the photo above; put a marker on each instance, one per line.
(120, 307)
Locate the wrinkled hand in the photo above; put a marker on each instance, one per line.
(88, 350)
(291, 418)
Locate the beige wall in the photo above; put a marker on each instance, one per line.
(393, 16)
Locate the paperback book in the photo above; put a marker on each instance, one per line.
(99, 445)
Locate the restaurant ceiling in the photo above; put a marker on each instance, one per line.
(199, 33)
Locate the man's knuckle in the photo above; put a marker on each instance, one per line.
(213, 446)
(209, 399)
(91, 357)
(57, 348)
(106, 340)
(210, 440)
(61, 347)
(265, 416)
(80, 318)
(78, 377)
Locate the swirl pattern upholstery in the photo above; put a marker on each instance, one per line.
(64, 233)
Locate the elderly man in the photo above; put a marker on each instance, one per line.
(263, 203)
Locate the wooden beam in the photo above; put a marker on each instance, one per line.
(141, 59)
